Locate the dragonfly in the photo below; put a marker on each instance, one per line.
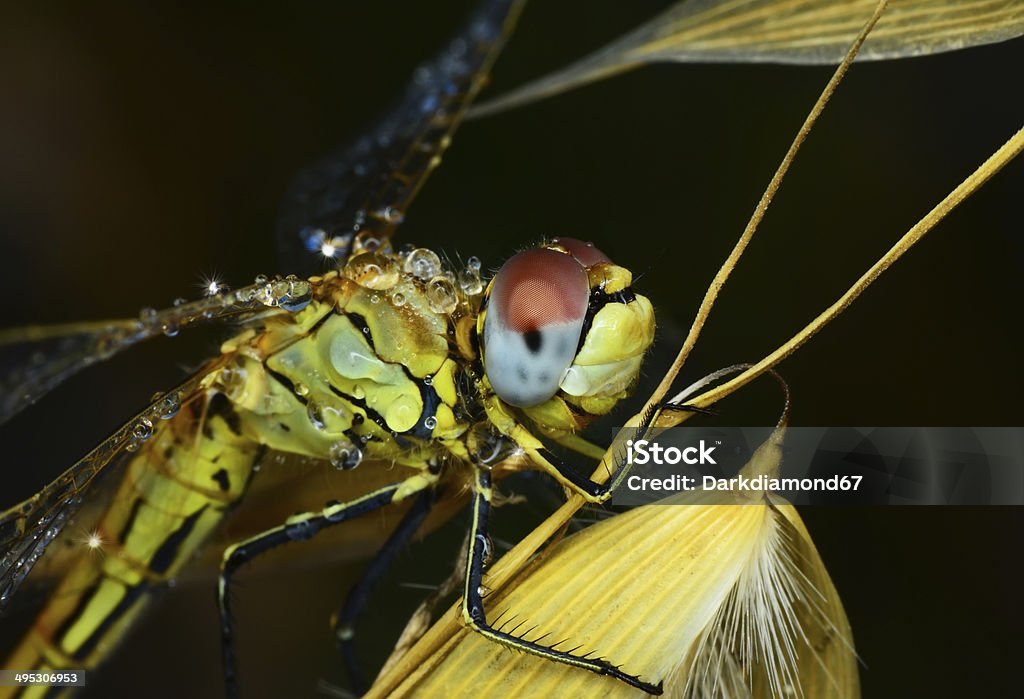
(382, 360)
(572, 210)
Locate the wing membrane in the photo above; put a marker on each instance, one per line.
(366, 188)
(28, 528)
(805, 32)
(37, 359)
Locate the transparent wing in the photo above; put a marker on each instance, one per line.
(36, 359)
(28, 528)
(366, 188)
(782, 31)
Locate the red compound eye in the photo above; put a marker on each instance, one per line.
(535, 315)
(587, 253)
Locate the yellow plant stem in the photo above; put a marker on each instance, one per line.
(711, 295)
(990, 167)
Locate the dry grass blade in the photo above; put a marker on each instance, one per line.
(781, 31)
(715, 593)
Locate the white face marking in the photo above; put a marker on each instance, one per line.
(526, 368)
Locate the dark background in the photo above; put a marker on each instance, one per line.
(144, 147)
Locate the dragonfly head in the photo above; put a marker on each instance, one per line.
(563, 323)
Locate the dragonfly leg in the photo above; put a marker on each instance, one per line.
(358, 596)
(298, 527)
(565, 474)
(473, 606)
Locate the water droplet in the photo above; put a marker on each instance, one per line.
(300, 293)
(299, 530)
(373, 270)
(316, 418)
(469, 281)
(428, 380)
(213, 287)
(279, 289)
(147, 315)
(390, 214)
(398, 298)
(170, 329)
(344, 455)
(430, 423)
(179, 301)
(423, 264)
(143, 429)
(366, 241)
(260, 279)
(486, 445)
(358, 392)
(232, 379)
(441, 295)
(262, 295)
(169, 406)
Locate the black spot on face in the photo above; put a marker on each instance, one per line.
(533, 340)
(521, 373)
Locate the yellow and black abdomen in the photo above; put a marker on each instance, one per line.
(175, 492)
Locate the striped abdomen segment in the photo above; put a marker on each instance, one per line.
(175, 491)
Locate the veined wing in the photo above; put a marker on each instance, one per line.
(28, 528)
(365, 189)
(805, 32)
(36, 359)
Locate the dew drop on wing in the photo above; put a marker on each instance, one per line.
(169, 406)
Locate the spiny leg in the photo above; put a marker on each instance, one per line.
(359, 595)
(298, 527)
(473, 606)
